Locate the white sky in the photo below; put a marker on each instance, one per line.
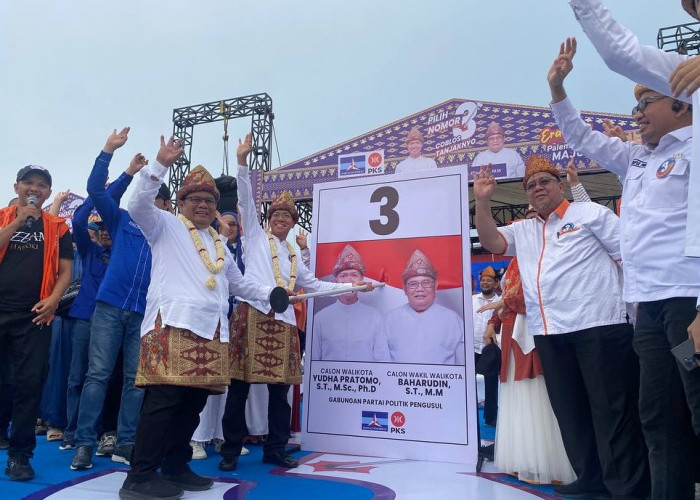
(74, 70)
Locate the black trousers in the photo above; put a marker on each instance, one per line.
(279, 415)
(27, 346)
(669, 398)
(6, 391)
(592, 378)
(490, 395)
(169, 417)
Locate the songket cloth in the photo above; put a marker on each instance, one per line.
(175, 356)
(262, 349)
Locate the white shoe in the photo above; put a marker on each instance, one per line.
(244, 450)
(198, 452)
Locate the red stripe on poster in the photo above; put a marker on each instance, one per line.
(385, 260)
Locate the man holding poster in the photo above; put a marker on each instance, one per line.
(421, 331)
(346, 330)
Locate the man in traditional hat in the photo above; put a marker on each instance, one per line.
(658, 276)
(36, 253)
(265, 345)
(421, 331)
(347, 329)
(488, 282)
(568, 254)
(184, 355)
(497, 154)
(415, 161)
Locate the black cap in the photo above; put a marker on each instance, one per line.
(163, 192)
(34, 169)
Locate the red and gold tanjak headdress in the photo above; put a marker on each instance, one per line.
(418, 265)
(284, 201)
(199, 179)
(348, 259)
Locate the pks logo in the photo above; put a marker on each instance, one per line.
(375, 421)
(567, 228)
(398, 420)
(665, 168)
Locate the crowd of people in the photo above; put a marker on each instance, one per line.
(594, 307)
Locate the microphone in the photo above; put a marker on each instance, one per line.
(30, 220)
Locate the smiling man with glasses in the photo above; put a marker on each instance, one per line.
(421, 331)
(665, 283)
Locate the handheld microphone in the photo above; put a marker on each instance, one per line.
(31, 201)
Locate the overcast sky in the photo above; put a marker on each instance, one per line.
(74, 70)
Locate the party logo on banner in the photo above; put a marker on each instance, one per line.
(375, 421)
(352, 165)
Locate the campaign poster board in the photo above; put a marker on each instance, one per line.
(412, 394)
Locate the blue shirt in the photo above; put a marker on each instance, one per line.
(93, 257)
(128, 274)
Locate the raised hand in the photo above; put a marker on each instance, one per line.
(302, 239)
(562, 65)
(116, 140)
(614, 130)
(169, 152)
(484, 184)
(685, 79)
(61, 196)
(137, 163)
(244, 148)
(571, 173)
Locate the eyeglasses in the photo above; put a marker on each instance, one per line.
(197, 200)
(645, 101)
(425, 285)
(280, 214)
(531, 186)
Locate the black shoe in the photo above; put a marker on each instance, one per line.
(82, 459)
(188, 481)
(577, 490)
(18, 468)
(228, 464)
(123, 454)
(4, 442)
(280, 458)
(149, 490)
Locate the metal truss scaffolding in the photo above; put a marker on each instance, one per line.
(257, 106)
(684, 38)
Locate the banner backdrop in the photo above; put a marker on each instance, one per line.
(381, 377)
(457, 132)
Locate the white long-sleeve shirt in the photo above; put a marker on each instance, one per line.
(178, 288)
(654, 206)
(346, 332)
(652, 67)
(258, 261)
(568, 268)
(434, 336)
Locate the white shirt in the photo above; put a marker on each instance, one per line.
(346, 332)
(178, 288)
(654, 209)
(568, 268)
(514, 162)
(481, 320)
(652, 67)
(258, 261)
(434, 336)
(415, 164)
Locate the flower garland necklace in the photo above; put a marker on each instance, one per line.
(212, 267)
(279, 281)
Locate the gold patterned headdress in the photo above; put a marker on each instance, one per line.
(418, 265)
(199, 179)
(536, 164)
(349, 259)
(284, 201)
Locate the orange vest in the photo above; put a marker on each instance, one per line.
(54, 228)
